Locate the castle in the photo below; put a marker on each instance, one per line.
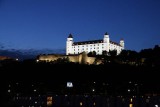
(77, 51)
(98, 46)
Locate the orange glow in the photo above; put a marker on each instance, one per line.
(49, 101)
(130, 105)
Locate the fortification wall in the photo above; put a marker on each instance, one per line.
(81, 58)
(74, 59)
(49, 57)
(90, 60)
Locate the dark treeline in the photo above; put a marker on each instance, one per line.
(53, 77)
(142, 67)
(31, 70)
(146, 57)
(130, 73)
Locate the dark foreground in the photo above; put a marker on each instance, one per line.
(111, 85)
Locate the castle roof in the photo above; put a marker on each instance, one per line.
(70, 36)
(93, 42)
(114, 43)
(88, 42)
(122, 39)
(106, 33)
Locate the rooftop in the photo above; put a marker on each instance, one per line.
(93, 42)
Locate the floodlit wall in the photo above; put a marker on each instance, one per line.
(81, 58)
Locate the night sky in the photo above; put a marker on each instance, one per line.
(41, 24)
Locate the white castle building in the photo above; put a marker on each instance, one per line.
(98, 46)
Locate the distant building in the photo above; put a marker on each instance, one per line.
(99, 46)
(4, 58)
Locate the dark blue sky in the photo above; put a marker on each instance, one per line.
(40, 24)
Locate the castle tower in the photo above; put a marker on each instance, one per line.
(69, 43)
(122, 43)
(106, 41)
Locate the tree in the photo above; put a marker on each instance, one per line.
(89, 54)
(92, 53)
(62, 60)
(112, 53)
(104, 52)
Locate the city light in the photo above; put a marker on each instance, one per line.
(49, 101)
(9, 91)
(130, 105)
(93, 90)
(80, 103)
(129, 90)
(156, 105)
(69, 84)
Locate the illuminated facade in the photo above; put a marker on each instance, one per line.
(99, 46)
(81, 58)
